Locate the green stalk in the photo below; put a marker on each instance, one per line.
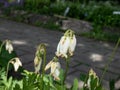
(7, 69)
(43, 67)
(1, 46)
(85, 81)
(8, 66)
(67, 68)
(110, 60)
(44, 62)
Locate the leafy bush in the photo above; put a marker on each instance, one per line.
(103, 15)
(100, 13)
(36, 5)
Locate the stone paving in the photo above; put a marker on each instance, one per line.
(88, 54)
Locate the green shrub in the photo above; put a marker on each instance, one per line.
(103, 15)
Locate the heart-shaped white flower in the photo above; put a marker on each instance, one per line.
(16, 63)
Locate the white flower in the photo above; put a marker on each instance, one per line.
(55, 69)
(9, 46)
(63, 47)
(17, 63)
(66, 44)
(72, 45)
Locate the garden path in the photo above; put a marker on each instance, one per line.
(88, 54)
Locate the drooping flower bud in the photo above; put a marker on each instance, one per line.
(54, 65)
(38, 57)
(92, 78)
(66, 44)
(55, 70)
(16, 63)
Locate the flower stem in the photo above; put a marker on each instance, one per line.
(9, 65)
(7, 69)
(43, 71)
(44, 62)
(110, 60)
(1, 46)
(67, 68)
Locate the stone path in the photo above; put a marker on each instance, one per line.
(89, 53)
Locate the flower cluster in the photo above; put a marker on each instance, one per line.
(65, 48)
(66, 45)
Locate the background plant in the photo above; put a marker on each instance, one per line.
(99, 13)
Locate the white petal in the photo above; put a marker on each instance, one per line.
(9, 46)
(48, 65)
(16, 66)
(57, 72)
(63, 46)
(58, 65)
(53, 67)
(18, 62)
(60, 43)
(10, 49)
(58, 50)
(72, 45)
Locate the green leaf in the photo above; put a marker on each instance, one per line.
(19, 84)
(75, 84)
(60, 87)
(61, 76)
(45, 79)
(10, 82)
